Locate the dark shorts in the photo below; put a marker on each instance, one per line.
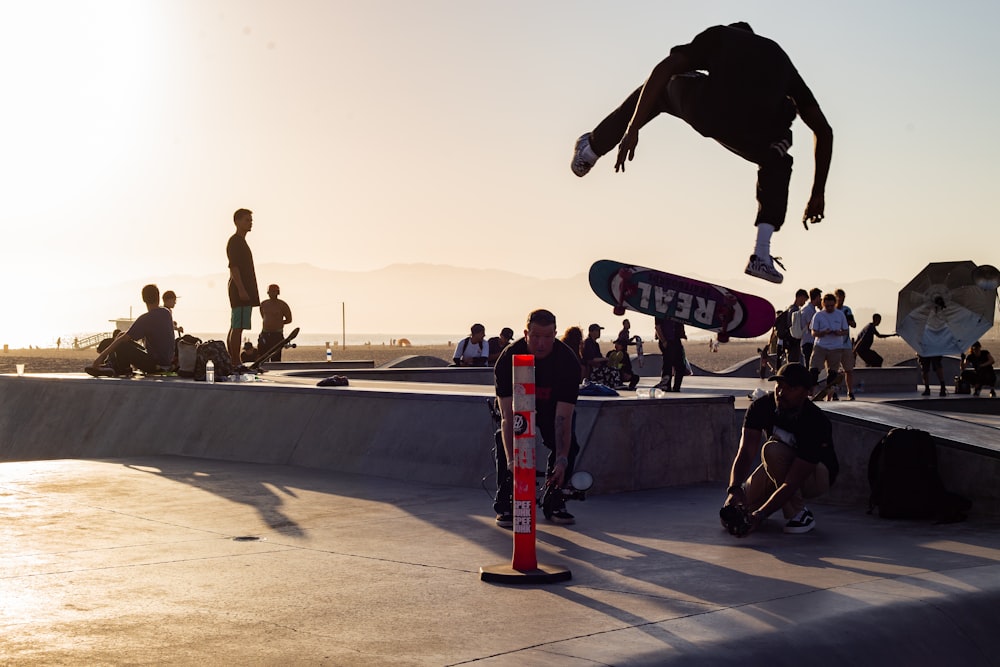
(241, 317)
(927, 363)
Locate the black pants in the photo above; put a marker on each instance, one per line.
(672, 355)
(682, 99)
(268, 339)
(871, 358)
(503, 503)
(132, 354)
(793, 350)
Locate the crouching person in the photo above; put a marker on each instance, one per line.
(798, 458)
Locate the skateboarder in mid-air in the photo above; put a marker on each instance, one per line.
(743, 91)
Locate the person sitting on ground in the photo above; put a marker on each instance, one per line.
(154, 328)
(169, 302)
(981, 362)
(594, 360)
(249, 353)
(619, 360)
(473, 350)
(867, 336)
(798, 458)
(498, 343)
(573, 337)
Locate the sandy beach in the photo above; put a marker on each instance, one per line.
(51, 360)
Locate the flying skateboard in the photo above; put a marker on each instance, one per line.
(265, 356)
(727, 312)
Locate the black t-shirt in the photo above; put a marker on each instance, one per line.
(752, 85)
(807, 431)
(240, 256)
(591, 350)
(557, 378)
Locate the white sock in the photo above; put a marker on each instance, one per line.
(763, 247)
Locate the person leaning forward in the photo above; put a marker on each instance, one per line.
(557, 381)
(798, 458)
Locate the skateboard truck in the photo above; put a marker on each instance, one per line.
(726, 313)
(626, 289)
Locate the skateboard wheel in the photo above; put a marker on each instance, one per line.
(619, 311)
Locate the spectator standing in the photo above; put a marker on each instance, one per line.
(243, 294)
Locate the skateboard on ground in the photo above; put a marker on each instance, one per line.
(704, 305)
(265, 356)
(833, 381)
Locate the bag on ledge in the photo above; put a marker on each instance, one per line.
(905, 482)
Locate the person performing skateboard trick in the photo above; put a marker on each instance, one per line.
(742, 90)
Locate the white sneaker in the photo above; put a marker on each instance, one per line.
(584, 156)
(761, 267)
(802, 522)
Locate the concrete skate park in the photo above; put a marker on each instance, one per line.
(159, 520)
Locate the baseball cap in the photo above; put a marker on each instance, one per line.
(594, 326)
(273, 288)
(507, 332)
(793, 375)
(169, 294)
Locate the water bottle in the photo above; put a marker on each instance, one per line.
(210, 372)
(329, 353)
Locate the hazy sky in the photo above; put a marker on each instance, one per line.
(374, 132)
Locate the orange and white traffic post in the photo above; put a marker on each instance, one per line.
(524, 567)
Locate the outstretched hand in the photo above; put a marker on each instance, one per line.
(814, 210)
(626, 149)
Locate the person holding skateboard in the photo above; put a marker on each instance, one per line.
(557, 383)
(746, 101)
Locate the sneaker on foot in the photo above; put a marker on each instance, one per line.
(944, 392)
(763, 267)
(802, 522)
(584, 156)
(562, 516)
(927, 391)
(505, 520)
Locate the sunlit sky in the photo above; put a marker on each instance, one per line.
(369, 133)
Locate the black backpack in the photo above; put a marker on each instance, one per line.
(783, 325)
(905, 483)
(217, 352)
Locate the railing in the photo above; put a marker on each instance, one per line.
(89, 341)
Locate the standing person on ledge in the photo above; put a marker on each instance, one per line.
(243, 295)
(746, 101)
(275, 314)
(557, 381)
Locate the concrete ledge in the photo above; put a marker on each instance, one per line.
(332, 365)
(416, 435)
(968, 453)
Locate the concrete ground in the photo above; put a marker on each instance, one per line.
(171, 560)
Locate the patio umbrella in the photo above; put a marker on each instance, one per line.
(947, 307)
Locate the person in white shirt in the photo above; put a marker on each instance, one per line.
(828, 327)
(473, 350)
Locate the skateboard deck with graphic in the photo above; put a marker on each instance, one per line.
(685, 300)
